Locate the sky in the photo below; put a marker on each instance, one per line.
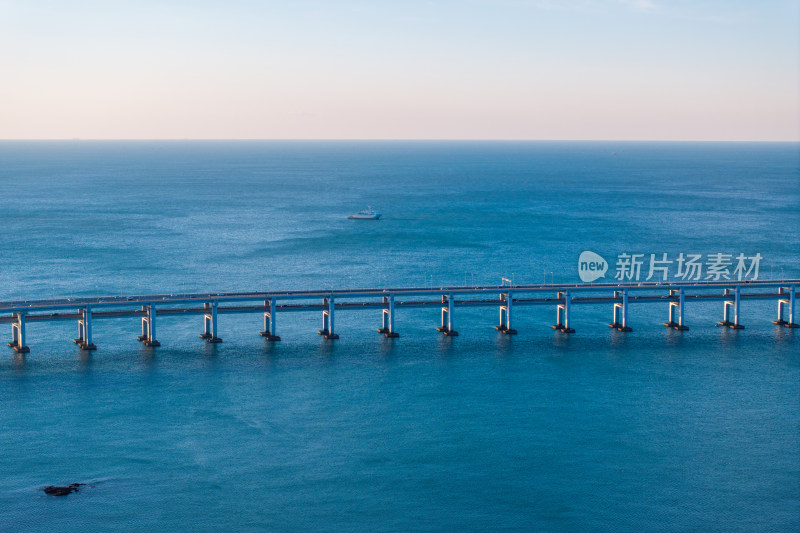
(411, 69)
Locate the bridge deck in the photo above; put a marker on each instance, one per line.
(15, 306)
(326, 301)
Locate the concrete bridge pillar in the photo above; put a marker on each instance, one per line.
(563, 313)
(210, 323)
(148, 336)
(269, 322)
(84, 339)
(18, 337)
(387, 325)
(506, 314)
(447, 316)
(731, 305)
(327, 330)
(676, 308)
(787, 302)
(621, 312)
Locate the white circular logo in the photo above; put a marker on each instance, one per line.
(591, 266)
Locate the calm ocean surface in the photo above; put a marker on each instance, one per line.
(599, 431)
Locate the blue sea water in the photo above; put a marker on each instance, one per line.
(598, 431)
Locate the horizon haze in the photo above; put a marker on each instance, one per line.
(442, 70)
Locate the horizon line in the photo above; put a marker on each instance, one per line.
(357, 139)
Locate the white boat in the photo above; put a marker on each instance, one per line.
(365, 214)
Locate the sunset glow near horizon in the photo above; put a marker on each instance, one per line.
(480, 69)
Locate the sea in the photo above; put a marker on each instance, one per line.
(600, 430)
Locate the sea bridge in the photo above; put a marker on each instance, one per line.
(674, 296)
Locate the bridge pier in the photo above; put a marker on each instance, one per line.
(18, 334)
(84, 339)
(447, 316)
(327, 330)
(726, 322)
(210, 324)
(506, 314)
(148, 336)
(621, 312)
(387, 326)
(790, 301)
(672, 308)
(563, 312)
(269, 322)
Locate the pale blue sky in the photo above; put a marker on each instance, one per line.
(471, 69)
